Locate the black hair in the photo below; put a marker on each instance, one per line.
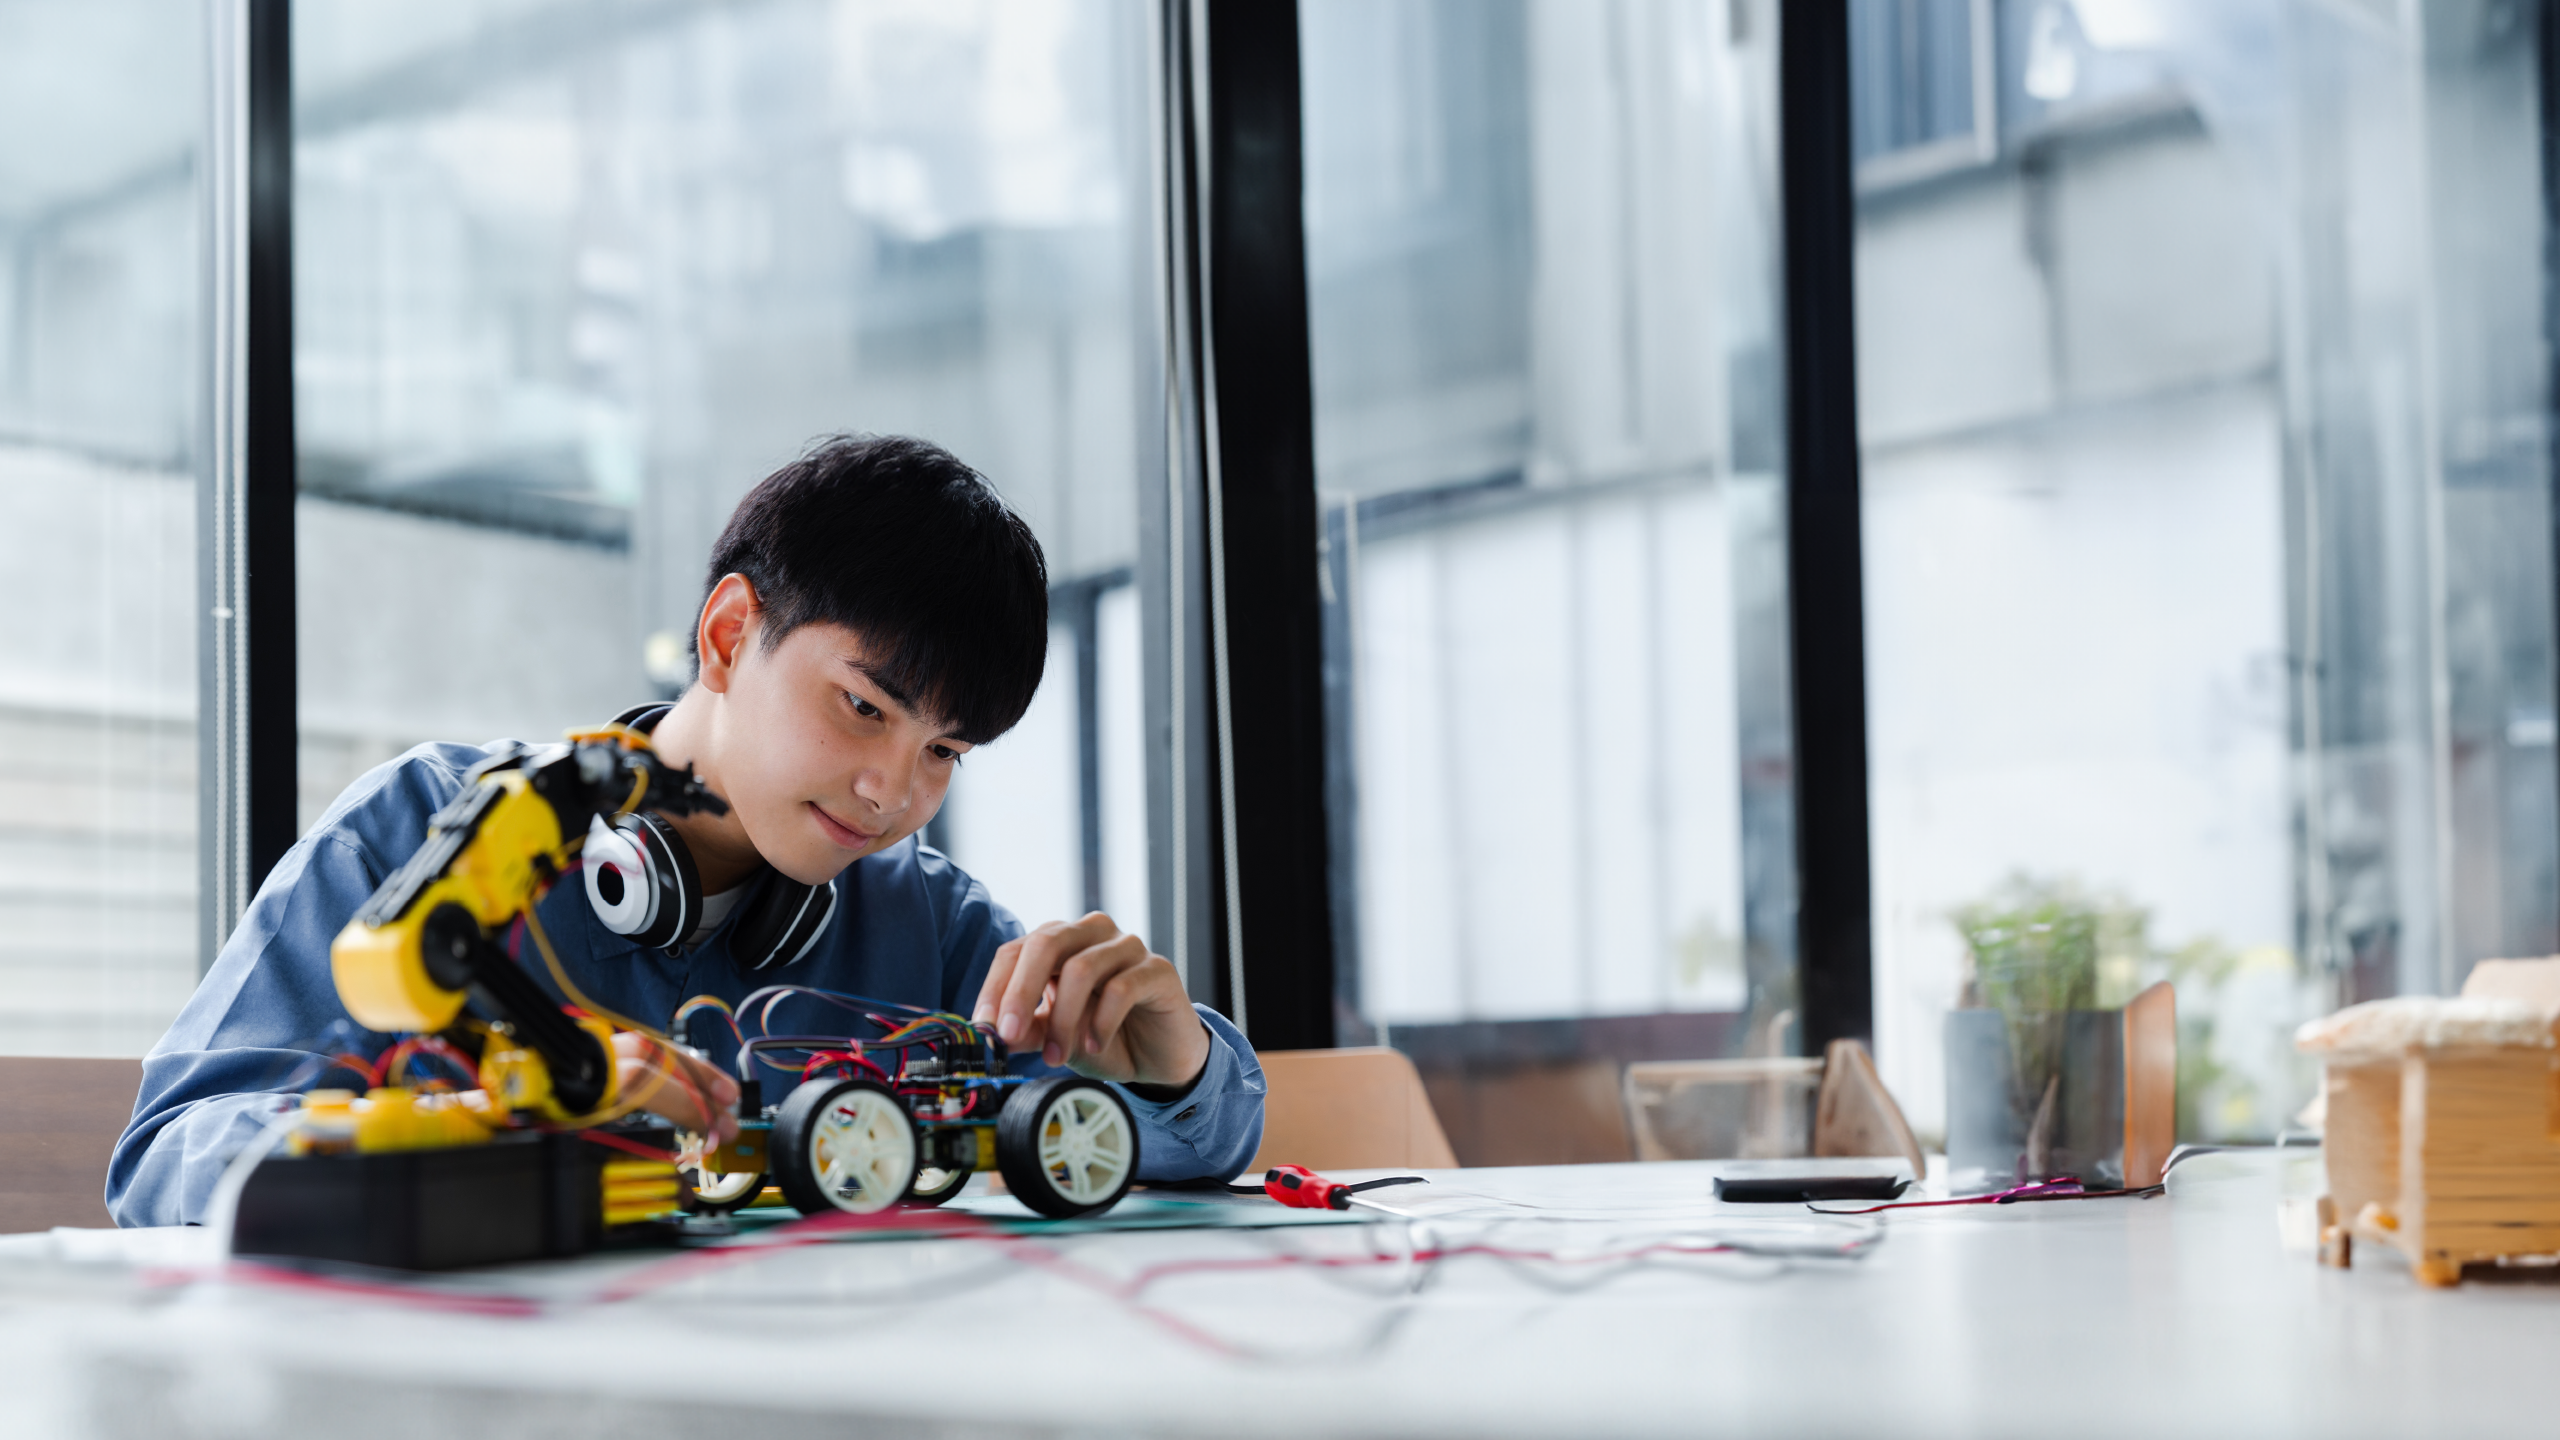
(896, 540)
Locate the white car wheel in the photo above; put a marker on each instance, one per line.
(1067, 1145)
(845, 1145)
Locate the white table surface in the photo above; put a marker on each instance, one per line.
(2180, 1315)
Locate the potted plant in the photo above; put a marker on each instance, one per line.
(2037, 1071)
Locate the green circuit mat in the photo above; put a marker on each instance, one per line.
(1140, 1210)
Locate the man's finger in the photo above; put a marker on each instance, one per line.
(718, 1087)
(691, 1093)
(1028, 984)
(1111, 1008)
(1077, 981)
(1035, 970)
(992, 989)
(1034, 1031)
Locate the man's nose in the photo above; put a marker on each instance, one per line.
(888, 787)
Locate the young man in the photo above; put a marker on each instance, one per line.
(874, 612)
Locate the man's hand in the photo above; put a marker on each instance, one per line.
(1091, 998)
(675, 1085)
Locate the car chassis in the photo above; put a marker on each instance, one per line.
(907, 1117)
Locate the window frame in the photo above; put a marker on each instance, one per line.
(245, 645)
(1239, 862)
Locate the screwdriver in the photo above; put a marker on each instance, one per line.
(1298, 1186)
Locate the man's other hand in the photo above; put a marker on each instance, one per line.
(675, 1085)
(1091, 997)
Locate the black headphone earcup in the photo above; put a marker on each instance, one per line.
(784, 918)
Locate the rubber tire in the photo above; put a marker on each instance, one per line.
(795, 1169)
(700, 1204)
(689, 1193)
(918, 1195)
(1018, 1128)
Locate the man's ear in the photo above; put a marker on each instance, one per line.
(728, 619)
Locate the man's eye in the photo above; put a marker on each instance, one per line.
(945, 752)
(861, 706)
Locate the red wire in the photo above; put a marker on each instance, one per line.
(818, 1229)
(2063, 1188)
(809, 1230)
(825, 1058)
(1129, 1293)
(628, 1147)
(437, 1046)
(394, 1058)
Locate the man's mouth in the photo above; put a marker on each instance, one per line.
(841, 833)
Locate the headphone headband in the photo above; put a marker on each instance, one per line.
(642, 882)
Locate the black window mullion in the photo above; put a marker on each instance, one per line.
(1825, 569)
(1264, 654)
(2547, 67)
(273, 729)
(246, 725)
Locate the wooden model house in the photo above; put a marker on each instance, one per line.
(2442, 1132)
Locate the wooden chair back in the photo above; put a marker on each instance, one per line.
(1721, 1109)
(1351, 1109)
(1530, 1112)
(1854, 1114)
(59, 1120)
(1775, 1107)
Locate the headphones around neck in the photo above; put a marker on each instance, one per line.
(642, 883)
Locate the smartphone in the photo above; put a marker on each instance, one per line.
(1797, 1189)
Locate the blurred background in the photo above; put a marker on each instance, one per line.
(2203, 402)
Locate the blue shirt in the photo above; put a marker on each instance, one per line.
(910, 926)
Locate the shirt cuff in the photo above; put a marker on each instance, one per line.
(1192, 1112)
(1167, 1094)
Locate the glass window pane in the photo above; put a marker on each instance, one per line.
(2207, 534)
(102, 119)
(566, 291)
(1913, 67)
(1539, 250)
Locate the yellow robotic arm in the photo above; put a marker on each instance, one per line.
(423, 944)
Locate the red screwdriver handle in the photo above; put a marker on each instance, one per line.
(1298, 1186)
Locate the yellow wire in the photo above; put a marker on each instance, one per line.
(576, 996)
(639, 787)
(579, 998)
(601, 1117)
